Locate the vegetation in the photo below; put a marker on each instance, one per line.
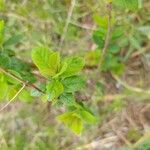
(74, 74)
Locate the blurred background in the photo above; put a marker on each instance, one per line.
(121, 104)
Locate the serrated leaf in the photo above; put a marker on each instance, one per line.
(54, 89)
(72, 121)
(74, 65)
(87, 116)
(73, 84)
(67, 99)
(47, 61)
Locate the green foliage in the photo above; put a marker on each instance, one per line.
(74, 65)
(92, 57)
(43, 58)
(63, 82)
(144, 146)
(127, 4)
(54, 89)
(76, 119)
(73, 84)
(1, 32)
(72, 121)
(67, 99)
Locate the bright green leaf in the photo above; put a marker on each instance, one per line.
(54, 89)
(25, 96)
(87, 116)
(74, 65)
(76, 125)
(72, 121)
(62, 69)
(47, 61)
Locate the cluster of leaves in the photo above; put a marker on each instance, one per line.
(62, 79)
(8, 60)
(118, 38)
(62, 83)
(112, 62)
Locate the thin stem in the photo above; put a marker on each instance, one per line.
(73, 2)
(20, 80)
(13, 97)
(107, 39)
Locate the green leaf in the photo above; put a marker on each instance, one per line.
(54, 89)
(101, 21)
(73, 84)
(117, 33)
(54, 61)
(92, 57)
(114, 49)
(3, 89)
(11, 80)
(1, 31)
(25, 96)
(47, 61)
(72, 121)
(62, 69)
(67, 99)
(87, 116)
(12, 92)
(99, 37)
(74, 65)
(76, 125)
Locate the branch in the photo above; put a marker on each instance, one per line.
(131, 88)
(20, 80)
(13, 97)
